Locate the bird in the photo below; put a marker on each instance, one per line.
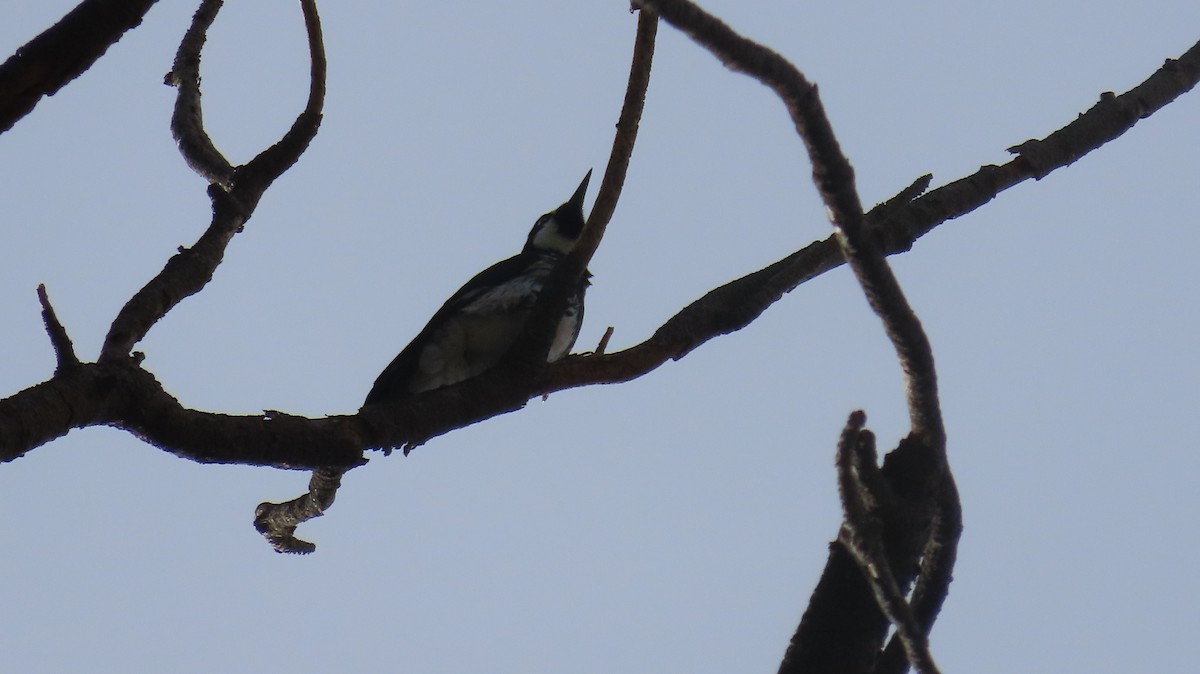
(481, 322)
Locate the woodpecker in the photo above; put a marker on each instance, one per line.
(480, 322)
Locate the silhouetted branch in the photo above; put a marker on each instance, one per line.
(122, 395)
(865, 495)
(257, 175)
(933, 581)
(187, 272)
(832, 174)
(623, 141)
(64, 351)
(933, 489)
(534, 343)
(58, 55)
(187, 122)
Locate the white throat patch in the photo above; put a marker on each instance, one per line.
(549, 238)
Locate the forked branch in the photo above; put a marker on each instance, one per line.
(234, 192)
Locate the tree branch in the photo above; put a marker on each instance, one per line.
(832, 173)
(64, 351)
(933, 580)
(234, 200)
(534, 343)
(187, 121)
(865, 495)
(259, 173)
(63, 52)
(623, 142)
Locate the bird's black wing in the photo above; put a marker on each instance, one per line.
(392, 383)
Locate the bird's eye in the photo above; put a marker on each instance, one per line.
(541, 222)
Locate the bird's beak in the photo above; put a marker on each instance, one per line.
(575, 203)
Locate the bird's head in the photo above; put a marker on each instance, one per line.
(558, 230)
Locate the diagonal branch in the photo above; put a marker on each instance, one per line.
(534, 343)
(896, 223)
(64, 351)
(185, 274)
(63, 52)
(623, 142)
(832, 173)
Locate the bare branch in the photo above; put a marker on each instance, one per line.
(883, 292)
(277, 521)
(735, 304)
(623, 142)
(865, 494)
(1111, 117)
(49, 61)
(832, 173)
(187, 272)
(125, 396)
(534, 343)
(64, 351)
(187, 122)
(937, 571)
(257, 175)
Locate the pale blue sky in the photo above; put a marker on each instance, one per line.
(674, 524)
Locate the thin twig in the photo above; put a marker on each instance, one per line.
(603, 345)
(187, 122)
(64, 351)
